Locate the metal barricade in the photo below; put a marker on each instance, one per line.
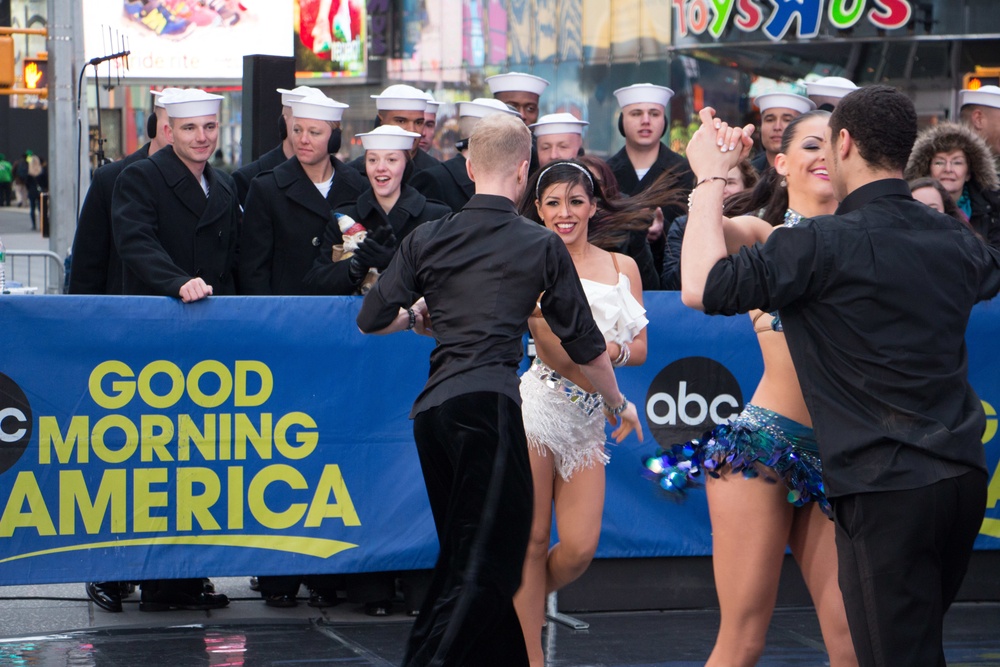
(33, 268)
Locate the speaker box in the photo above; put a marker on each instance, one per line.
(262, 76)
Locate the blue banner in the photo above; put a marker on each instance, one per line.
(145, 438)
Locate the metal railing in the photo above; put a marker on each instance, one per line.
(33, 268)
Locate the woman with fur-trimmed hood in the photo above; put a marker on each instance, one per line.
(961, 161)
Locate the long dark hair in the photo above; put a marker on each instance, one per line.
(769, 199)
(615, 218)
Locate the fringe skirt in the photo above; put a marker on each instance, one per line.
(562, 419)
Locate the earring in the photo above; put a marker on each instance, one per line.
(784, 183)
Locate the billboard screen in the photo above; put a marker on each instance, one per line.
(330, 38)
(186, 39)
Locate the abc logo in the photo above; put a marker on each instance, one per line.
(15, 423)
(689, 397)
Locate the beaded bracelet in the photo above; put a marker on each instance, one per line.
(702, 182)
(413, 319)
(617, 410)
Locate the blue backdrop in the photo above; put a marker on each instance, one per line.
(144, 438)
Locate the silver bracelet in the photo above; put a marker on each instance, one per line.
(623, 356)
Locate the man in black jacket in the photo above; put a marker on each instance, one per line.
(643, 122)
(96, 266)
(174, 216)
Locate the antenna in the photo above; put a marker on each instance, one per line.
(117, 58)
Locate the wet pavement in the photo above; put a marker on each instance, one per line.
(55, 625)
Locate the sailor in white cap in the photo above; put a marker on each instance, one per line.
(643, 159)
(826, 92)
(449, 181)
(777, 110)
(97, 267)
(388, 212)
(520, 91)
(980, 110)
(403, 106)
(558, 136)
(286, 214)
(194, 255)
(283, 150)
(430, 123)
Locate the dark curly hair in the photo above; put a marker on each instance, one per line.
(882, 122)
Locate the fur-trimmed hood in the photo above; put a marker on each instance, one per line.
(947, 137)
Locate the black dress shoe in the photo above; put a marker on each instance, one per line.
(280, 600)
(380, 608)
(254, 584)
(320, 601)
(105, 594)
(167, 600)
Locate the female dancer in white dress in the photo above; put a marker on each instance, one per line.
(562, 416)
(753, 518)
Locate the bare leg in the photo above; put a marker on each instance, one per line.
(529, 601)
(751, 521)
(812, 543)
(579, 506)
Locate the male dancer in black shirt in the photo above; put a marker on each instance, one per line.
(481, 272)
(874, 302)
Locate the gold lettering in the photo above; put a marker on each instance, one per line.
(258, 486)
(73, 494)
(331, 482)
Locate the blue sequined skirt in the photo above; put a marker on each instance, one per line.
(758, 443)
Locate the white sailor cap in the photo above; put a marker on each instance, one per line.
(191, 103)
(482, 107)
(297, 93)
(319, 107)
(643, 93)
(400, 97)
(784, 101)
(558, 123)
(988, 96)
(516, 81)
(432, 104)
(158, 95)
(830, 86)
(388, 138)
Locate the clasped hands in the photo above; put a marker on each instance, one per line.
(717, 146)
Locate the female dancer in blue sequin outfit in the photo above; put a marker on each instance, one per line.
(753, 518)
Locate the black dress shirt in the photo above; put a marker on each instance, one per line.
(875, 301)
(481, 272)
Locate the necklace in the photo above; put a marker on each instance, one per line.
(792, 218)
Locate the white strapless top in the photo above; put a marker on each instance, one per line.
(618, 314)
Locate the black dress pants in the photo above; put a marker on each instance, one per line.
(902, 557)
(474, 459)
